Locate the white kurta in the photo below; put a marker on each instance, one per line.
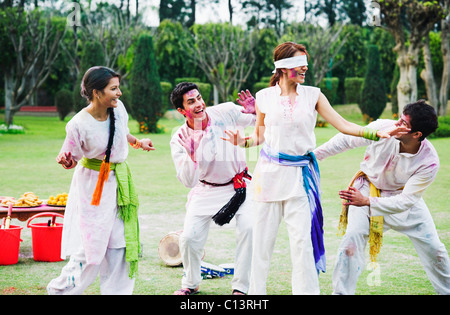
(388, 169)
(217, 161)
(403, 210)
(93, 228)
(278, 190)
(289, 129)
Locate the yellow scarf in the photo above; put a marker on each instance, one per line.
(376, 223)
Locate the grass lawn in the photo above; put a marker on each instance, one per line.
(27, 163)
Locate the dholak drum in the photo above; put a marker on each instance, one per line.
(169, 249)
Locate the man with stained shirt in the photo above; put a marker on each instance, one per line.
(211, 167)
(400, 168)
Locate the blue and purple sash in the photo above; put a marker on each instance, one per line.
(311, 182)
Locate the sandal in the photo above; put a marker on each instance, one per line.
(186, 291)
(237, 292)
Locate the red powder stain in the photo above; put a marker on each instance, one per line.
(9, 290)
(366, 157)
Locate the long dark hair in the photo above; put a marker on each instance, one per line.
(282, 51)
(97, 78)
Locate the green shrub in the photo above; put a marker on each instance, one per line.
(166, 90)
(329, 87)
(186, 79)
(126, 100)
(92, 55)
(259, 86)
(393, 90)
(145, 87)
(373, 92)
(205, 90)
(64, 103)
(443, 130)
(353, 90)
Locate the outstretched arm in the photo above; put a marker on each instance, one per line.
(255, 139)
(146, 144)
(329, 114)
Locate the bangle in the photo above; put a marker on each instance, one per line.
(70, 166)
(136, 144)
(248, 143)
(369, 133)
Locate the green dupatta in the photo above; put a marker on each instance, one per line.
(128, 204)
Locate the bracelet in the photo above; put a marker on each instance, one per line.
(136, 144)
(369, 133)
(70, 166)
(248, 143)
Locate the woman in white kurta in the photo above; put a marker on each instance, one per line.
(94, 236)
(286, 117)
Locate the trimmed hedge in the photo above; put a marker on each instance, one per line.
(166, 90)
(443, 130)
(186, 79)
(259, 86)
(353, 88)
(373, 92)
(64, 102)
(328, 87)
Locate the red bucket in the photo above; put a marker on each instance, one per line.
(9, 245)
(46, 239)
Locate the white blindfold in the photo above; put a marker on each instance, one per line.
(292, 62)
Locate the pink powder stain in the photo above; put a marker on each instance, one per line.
(192, 93)
(293, 73)
(188, 113)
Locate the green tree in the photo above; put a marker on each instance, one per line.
(355, 11)
(225, 53)
(169, 52)
(92, 55)
(266, 42)
(409, 21)
(145, 87)
(267, 12)
(373, 93)
(174, 10)
(34, 42)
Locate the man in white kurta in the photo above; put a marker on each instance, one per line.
(216, 162)
(402, 178)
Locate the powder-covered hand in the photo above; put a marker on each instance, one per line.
(190, 141)
(66, 160)
(247, 100)
(353, 197)
(394, 131)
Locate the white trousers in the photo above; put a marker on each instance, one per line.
(192, 242)
(416, 223)
(77, 275)
(297, 217)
